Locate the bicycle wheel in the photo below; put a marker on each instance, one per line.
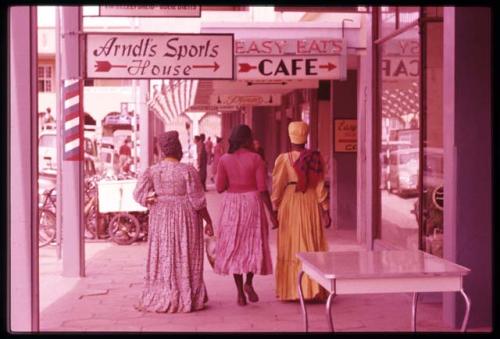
(46, 227)
(91, 223)
(124, 228)
(438, 197)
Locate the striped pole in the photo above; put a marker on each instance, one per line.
(73, 118)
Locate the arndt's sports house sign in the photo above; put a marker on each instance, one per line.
(158, 55)
(291, 59)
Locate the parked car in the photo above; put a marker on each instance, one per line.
(403, 171)
(433, 193)
(47, 150)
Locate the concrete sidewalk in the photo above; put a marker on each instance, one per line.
(103, 300)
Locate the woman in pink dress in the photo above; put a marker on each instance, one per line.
(177, 205)
(242, 233)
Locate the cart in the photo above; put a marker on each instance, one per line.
(127, 221)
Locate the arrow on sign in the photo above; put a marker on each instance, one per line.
(330, 66)
(105, 66)
(249, 83)
(245, 67)
(215, 66)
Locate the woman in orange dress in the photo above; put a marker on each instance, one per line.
(299, 194)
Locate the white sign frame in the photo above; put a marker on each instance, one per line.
(150, 11)
(216, 55)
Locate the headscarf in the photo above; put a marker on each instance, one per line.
(297, 132)
(310, 165)
(310, 169)
(240, 136)
(170, 144)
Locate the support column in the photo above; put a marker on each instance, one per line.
(145, 130)
(23, 284)
(467, 152)
(73, 245)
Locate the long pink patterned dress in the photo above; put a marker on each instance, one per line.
(174, 266)
(242, 230)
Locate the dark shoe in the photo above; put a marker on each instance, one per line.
(252, 296)
(242, 300)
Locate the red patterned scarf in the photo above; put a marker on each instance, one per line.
(310, 169)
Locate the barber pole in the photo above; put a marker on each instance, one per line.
(73, 117)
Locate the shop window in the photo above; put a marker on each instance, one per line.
(399, 111)
(388, 20)
(45, 75)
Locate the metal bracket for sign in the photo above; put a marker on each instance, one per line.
(71, 33)
(344, 20)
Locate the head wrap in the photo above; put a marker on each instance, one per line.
(298, 131)
(170, 144)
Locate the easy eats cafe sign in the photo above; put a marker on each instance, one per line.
(291, 59)
(159, 55)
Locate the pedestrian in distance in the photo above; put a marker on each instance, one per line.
(125, 155)
(218, 151)
(177, 206)
(209, 148)
(242, 231)
(259, 149)
(202, 161)
(301, 200)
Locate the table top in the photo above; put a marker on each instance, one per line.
(379, 264)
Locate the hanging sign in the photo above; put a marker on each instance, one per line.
(242, 100)
(151, 11)
(346, 135)
(212, 108)
(158, 55)
(291, 67)
(265, 85)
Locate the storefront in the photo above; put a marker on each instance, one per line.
(412, 132)
(417, 98)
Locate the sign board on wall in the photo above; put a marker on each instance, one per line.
(159, 56)
(151, 11)
(242, 100)
(286, 59)
(346, 135)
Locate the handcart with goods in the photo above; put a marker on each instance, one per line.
(127, 221)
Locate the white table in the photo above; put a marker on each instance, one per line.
(391, 271)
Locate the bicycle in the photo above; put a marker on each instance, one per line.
(47, 218)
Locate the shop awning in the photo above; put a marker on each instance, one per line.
(171, 98)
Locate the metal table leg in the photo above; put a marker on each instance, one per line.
(329, 309)
(301, 296)
(414, 312)
(467, 310)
